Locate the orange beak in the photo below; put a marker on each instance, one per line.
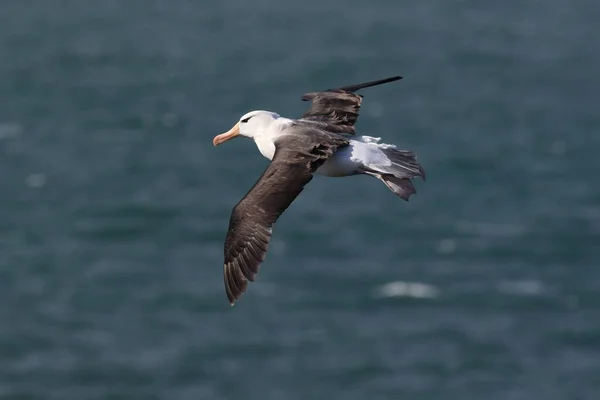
(230, 134)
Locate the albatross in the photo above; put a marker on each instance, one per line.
(322, 141)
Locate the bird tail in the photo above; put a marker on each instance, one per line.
(404, 163)
(403, 187)
(396, 174)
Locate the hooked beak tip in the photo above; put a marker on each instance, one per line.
(223, 137)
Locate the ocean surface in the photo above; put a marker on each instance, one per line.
(114, 204)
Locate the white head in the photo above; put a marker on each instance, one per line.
(250, 125)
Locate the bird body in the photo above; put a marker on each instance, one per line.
(323, 141)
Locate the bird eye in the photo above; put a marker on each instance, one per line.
(245, 120)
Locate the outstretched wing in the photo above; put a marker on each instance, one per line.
(250, 226)
(338, 108)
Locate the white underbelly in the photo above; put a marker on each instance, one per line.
(340, 164)
(364, 151)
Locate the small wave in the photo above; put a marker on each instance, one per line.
(407, 289)
(35, 180)
(490, 229)
(559, 147)
(10, 130)
(446, 246)
(522, 288)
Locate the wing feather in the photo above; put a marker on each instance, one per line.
(250, 225)
(337, 109)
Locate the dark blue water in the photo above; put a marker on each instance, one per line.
(114, 204)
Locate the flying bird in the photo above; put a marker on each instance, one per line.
(322, 141)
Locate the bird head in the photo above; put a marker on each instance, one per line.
(250, 125)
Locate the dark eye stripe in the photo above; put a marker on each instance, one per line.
(246, 119)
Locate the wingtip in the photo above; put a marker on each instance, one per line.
(423, 174)
(357, 87)
(392, 79)
(231, 299)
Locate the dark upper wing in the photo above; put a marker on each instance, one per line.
(338, 108)
(295, 160)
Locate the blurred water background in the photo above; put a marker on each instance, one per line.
(114, 204)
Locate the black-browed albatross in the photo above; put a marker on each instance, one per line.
(322, 141)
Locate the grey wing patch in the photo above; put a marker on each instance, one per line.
(337, 109)
(250, 225)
